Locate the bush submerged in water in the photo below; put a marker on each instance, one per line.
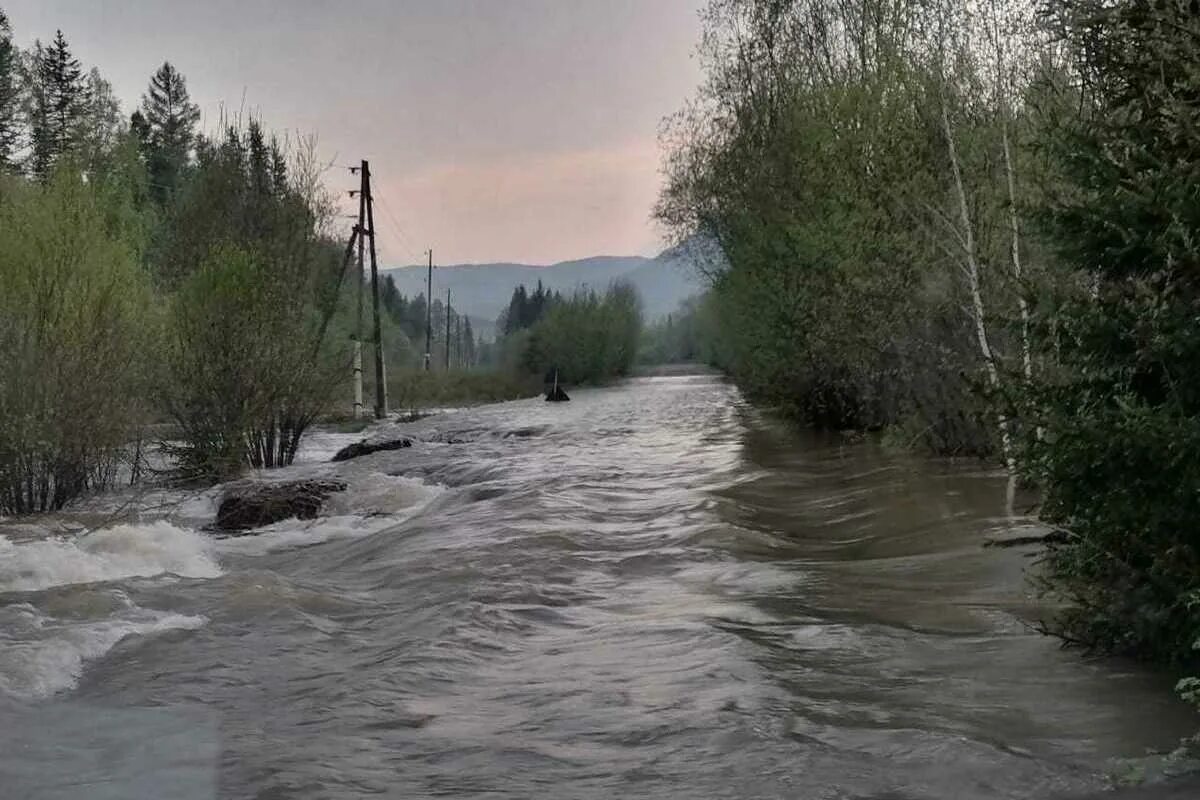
(74, 318)
(248, 359)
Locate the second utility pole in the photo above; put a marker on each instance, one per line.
(447, 330)
(380, 377)
(429, 313)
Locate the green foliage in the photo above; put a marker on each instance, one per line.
(417, 389)
(687, 336)
(74, 325)
(10, 98)
(409, 318)
(819, 167)
(526, 308)
(249, 362)
(166, 124)
(245, 373)
(1121, 459)
(587, 338)
(58, 102)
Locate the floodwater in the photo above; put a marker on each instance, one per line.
(648, 592)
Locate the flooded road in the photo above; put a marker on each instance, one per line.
(649, 592)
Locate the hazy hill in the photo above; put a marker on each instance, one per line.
(483, 290)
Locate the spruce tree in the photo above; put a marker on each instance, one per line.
(260, 160)
(1120, 466)
(391, 298)
(58, 104)
(169, 118)
(279, 168)
(10, 121)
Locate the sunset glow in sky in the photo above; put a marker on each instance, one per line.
(498, 130)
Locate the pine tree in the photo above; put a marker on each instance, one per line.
(140, 129)
(58, 103)
(170, 119)
(260, 160)
(518, 311)
(393, 301)
(279, 168)
(10, 120)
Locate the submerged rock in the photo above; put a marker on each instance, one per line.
(366, 447)
(252, 505)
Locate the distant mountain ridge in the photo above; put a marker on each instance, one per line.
(483, 290)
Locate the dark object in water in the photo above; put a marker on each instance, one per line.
(556, 394)
(252, 505)
(366, 447)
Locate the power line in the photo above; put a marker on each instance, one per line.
(387, 209)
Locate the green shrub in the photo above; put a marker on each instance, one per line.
(245, 374)
(74, 321)
(1120, 460)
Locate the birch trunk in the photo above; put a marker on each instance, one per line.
(973, 285)
(1015, 228)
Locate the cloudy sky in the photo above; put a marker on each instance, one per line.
(497, 130)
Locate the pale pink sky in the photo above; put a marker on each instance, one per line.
(498, 130)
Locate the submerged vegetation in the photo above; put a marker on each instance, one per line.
(974, 223)
(75, 323)
(151, 272)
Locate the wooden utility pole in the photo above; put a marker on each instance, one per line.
(447, 330)
(429, 314)
(358, 330)
(458, 343)
(380, 376)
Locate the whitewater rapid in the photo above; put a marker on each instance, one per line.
(652, 591)
(64, 599)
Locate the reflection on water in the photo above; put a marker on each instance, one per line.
(647, 592)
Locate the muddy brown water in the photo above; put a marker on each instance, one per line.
(649, 592)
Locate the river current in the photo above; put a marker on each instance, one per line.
(652, 591)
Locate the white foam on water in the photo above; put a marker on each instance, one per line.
(371, 503)
(322, 446)
(41, 656)
(109, 554)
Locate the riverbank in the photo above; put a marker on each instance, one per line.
(421, 390)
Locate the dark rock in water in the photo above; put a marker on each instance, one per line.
(253, 505)
(556, 395)
(366, 447)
